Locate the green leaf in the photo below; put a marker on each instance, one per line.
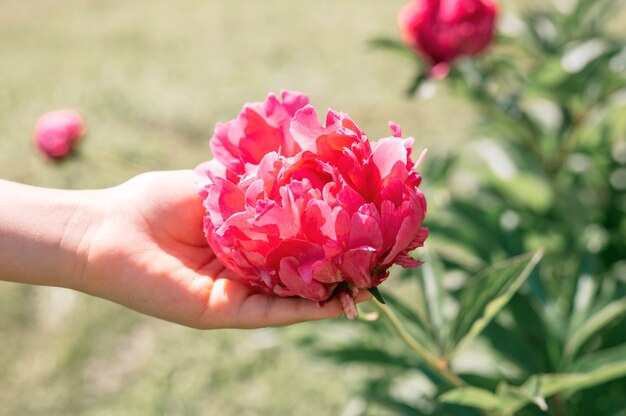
(598, 371)
(416, 83)
(551, 384)
(589, 371)
(376, 293)
(601, 359)
(392, 45)
(485, 399)
(472, 397)
(397, 406)
(593, 325)
(537, 388)
(481, 301)
(415, 318)
(522, 341)
(432, 288)
(365, 355)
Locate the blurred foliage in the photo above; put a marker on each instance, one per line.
(548, 174)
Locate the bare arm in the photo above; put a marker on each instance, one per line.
(139, 244)
(44, 232)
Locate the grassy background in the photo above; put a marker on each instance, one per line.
(151, 78)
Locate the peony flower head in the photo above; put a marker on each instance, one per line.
(56, 133)
(442, 30)
(300, 208)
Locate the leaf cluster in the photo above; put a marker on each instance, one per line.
(549, 178)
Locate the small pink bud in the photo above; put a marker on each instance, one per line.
(57, 132)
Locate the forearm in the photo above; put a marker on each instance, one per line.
(44, 234)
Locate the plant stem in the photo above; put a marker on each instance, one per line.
(440, 367)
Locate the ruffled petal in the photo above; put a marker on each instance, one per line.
(290, 276)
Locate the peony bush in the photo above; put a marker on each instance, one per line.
(299, 208)
(540, 333)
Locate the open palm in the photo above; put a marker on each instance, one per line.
(149, 253)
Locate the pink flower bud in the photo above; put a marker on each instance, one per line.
(57, 132)
(442, 30)
(299, 208)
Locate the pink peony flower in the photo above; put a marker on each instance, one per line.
(442, 30)
(57, 132)
(297, 208)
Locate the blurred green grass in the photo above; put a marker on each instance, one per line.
(151, 79)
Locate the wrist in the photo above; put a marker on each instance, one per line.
(84, 214)
(45, 234)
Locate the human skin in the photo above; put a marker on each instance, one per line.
(139, 244)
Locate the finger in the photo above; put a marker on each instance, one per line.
(262, 310)
(363, 296)
(287, 311)
(214, 268)
(233, 305)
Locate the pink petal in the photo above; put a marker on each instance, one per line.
(325, 271)
(391, 220)
(271, 107)
(304, 251)
(409, 228)
(305, 128)
(342, 221)
(294, 101)
(407, 261)
(260, 137)
(254, 192)
(338, 121)
(440, 71)
(348, 305)
(393, 191)
(238, 226)
(365, 231)
(349, 198)
(291, 278)
(317, 222)
(205, 174)
(396, 130)
(224, 145)
(357, 264)
(419, 239)
(275, 217)
(223, 200)
(388, 153)
(330, 147)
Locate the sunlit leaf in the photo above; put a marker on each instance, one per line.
(481, 301)
(590, 371)
(605, 316)
(484, 399)
(601, 359)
